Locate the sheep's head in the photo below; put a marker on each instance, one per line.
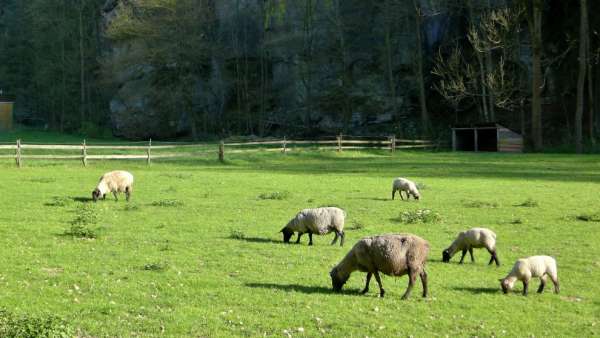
(287, 234)
(337, 280)
(416, 194)
(96, 194)
(507, 284)
(446, 256)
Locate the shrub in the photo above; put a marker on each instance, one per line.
(13, 326)
(81, 231)
(276, 195)
(419, 216)
(85, 214)
(480, 204)
(167, 203)
(528, 203)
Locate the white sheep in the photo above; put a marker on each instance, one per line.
(115, 182)
(402, 184)
(320, 221)
(472, 238)
(393, 255)
(526, 268)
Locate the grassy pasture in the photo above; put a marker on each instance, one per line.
(197, 251)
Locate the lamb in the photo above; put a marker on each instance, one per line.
(115, 182)
(534, 266)
(473, 238)
(402, 184)
(320, 221)
(393, 255)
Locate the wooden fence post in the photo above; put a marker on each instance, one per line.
(284, 145)
(393, 143)
(84, 153)
(339, 142)
(222, 151)
(148, 151)
(18, 153)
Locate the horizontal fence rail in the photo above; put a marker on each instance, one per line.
(338, 143)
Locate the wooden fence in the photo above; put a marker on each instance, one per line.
(148, 152)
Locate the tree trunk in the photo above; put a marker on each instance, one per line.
(590, 82)
(581, 78)
(425, 122)
(535, 30)
(82, 65)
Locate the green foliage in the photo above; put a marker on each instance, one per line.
(25, 326)
(85, 214)
(276, 195)
(419, 216)
(529, 203)
(169, 203)
(236, 234)
(480, 204)
(81, 231)
(156, 266)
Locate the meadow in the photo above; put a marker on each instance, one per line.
(197, 252)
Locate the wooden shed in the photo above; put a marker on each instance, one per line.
(6, 112)
(486, 137)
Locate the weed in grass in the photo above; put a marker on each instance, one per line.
(516, 221)
(42, 180)
(131, 207)
(59, 201)
(167, 203)
(81, 231)
(170, 189)
(12, 325)
(419, 216)
(236, 234)
(85, 214)
(595, 217)
(276, 195)
(356, 225)
(528, 203)
(480, 204)
(179, 176)
(421, 186)
(165, 247)
(156, 266)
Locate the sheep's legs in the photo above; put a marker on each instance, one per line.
(127, 193)
(494, 258)
(378, 279)
(335, 238)
(424, 282)
(471, 253)
(298, 239)
(525, 287)
(462, 258)
(310, 238)
(412, 277)
(555, 282)
(115, 193)
(542, 284)
(393, 193)
(342, 235)
(366, 289)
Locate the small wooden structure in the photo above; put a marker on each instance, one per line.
(486, 137)
(6, 113)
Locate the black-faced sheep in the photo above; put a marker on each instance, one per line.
(473, 238)
(115, 182)
(393, 255)
(320, 221)
(526, 268)
(402, 184)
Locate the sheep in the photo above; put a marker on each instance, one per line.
(402, 184)
(473, 238)
(320, 221)
(534, 266)
(115, 182)
(393, 255)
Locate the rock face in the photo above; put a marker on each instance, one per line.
(303, 91)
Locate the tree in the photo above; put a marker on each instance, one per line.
(534, 20)
(583, 63)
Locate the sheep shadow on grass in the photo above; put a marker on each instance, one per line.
(477, 290)
(380, 199)
(81, 199)
(256, 240)
(308, 289)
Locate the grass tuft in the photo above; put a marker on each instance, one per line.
(480, 204)
(595, 217)
(59, 201)
(156, 266)
(85, 214)
(276, 195)
(356, 225)
(419, 216)
(81, 231)
(12, 325)
(167, 203)
(528, 203)
(236, 234)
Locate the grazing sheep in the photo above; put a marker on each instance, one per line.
(320, 221)
(473, 238)
(393, 255)
(534, 266)
(402, 184)
(115, 182)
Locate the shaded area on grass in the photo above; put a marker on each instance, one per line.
(256, 240)
(478, 290)
(292, 287)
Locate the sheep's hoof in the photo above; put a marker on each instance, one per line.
(382, 293)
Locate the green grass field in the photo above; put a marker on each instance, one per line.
(197, 252)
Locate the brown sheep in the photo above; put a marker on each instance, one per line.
(393, 255)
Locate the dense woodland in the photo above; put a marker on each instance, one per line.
(212, 68)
